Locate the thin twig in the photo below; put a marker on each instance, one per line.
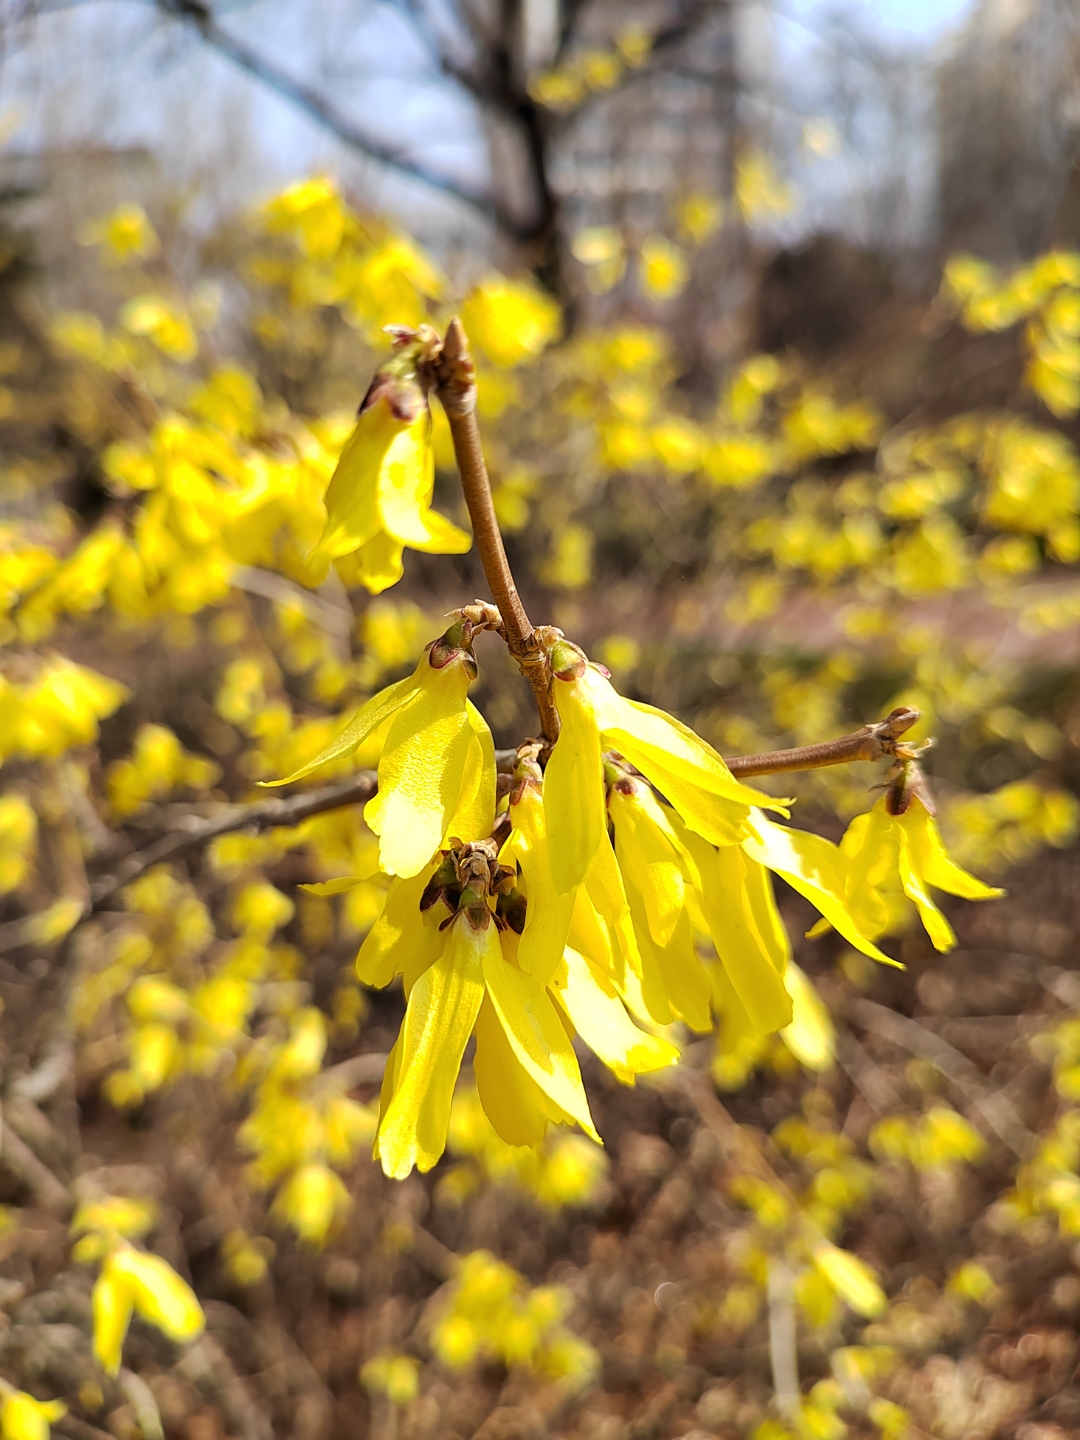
(783, 1342)
(456, 387)
(997, 1111)
(316, 105)
(206, 1365)
(335, 618)
(17, 1157)
(871, 742)
(258, 816)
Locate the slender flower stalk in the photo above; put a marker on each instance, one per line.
(456, 387)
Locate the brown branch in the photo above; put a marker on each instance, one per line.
(455, 380)
(313, 103)
(17, 1157)
(258, 816)
(995, 1108)
(872, 742)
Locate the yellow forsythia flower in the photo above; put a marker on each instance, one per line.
(811, 1036)
(311, 1200)
(881, 848)
(437, 768)
(682, 766)
(24, 1418)
(126, 233)
(511, 321)
(464, 975)
(395, 1376)
(130, 1280)
(664, 269)
(698, 863)
(851, 1278)
(379, 499)
(112, 1303)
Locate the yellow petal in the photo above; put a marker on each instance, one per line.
(112, 1303)
(537, 1036)
(161, 1297)
(851, 1278)
(607, 892)
(602, 1022)
(351, 497)
(938, 928)
(475, 814)
(647, 857)
(311, 1201)
(748, 956)
(686, 770)
(367, 719)
(339, 886)
(422, 769)
(814, 867)
(937, 866)
(547, 912)
(24, 1418)
(674, 982)
(401, 933)
(405, 482)
(513, 1102)
(811, 1036)
(441, 536)
(761, 901)
(439, 1019)
(870, 858)
(574, 806)
(378, 563)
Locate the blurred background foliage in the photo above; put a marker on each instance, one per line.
(780, 409)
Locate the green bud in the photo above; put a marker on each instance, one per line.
(568, 661)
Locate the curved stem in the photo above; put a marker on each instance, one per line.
(872, 742)
(455, 383)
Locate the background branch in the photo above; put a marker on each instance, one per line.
(314, 104)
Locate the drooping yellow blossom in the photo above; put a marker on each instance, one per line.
(437, 769)
(488, 1311)
(511, 321)
(132, 1280)
(311, 1200)
(126, 234)
(463, 976)
(686, 770)
(56, 710)
(692, 868)
(379, 499)
(885, 851)
(851, 1278)
(676, 883)
(24, 1418)
(664, 268)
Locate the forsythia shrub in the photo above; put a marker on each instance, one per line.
(605, 887)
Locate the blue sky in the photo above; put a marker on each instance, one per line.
(112, 74)
(902, 20)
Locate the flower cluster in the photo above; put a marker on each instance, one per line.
(620, 885)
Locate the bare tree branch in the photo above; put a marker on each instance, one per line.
(995, 1108)
(261, 815)
(201, 18)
